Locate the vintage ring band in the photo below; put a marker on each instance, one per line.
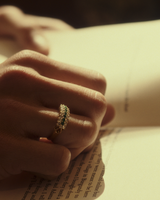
(62, 121)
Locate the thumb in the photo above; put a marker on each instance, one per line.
(14, 23)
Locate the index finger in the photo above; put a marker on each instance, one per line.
(60, 71)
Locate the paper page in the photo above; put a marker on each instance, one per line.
(128, 158)
(132, 167)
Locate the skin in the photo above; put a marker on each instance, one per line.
(27, 30)
(32, 86)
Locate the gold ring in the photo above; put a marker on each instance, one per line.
(62, 121)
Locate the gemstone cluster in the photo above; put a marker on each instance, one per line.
(63, 117)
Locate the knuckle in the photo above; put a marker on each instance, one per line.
(99, 102)
(11, 75)
(88, 131)
(14, 79)
(25, 56)
(22, 58)
(100, 82)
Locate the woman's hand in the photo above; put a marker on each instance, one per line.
(32, 87)
(28, 29)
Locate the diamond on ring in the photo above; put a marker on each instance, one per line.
(62, 121)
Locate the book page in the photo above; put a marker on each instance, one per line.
(132, 164)
(126, 54)
(123, 164)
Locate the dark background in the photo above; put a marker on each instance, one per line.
(84, 13)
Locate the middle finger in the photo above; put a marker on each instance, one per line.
(60, 71)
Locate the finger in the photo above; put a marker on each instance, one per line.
(74, 151)
(9, 15)
(34, 156)
(59, 71)
(14, 22)
(51, 23)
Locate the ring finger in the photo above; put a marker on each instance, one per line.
(36, 122)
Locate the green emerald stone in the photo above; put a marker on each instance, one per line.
(63, 120)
